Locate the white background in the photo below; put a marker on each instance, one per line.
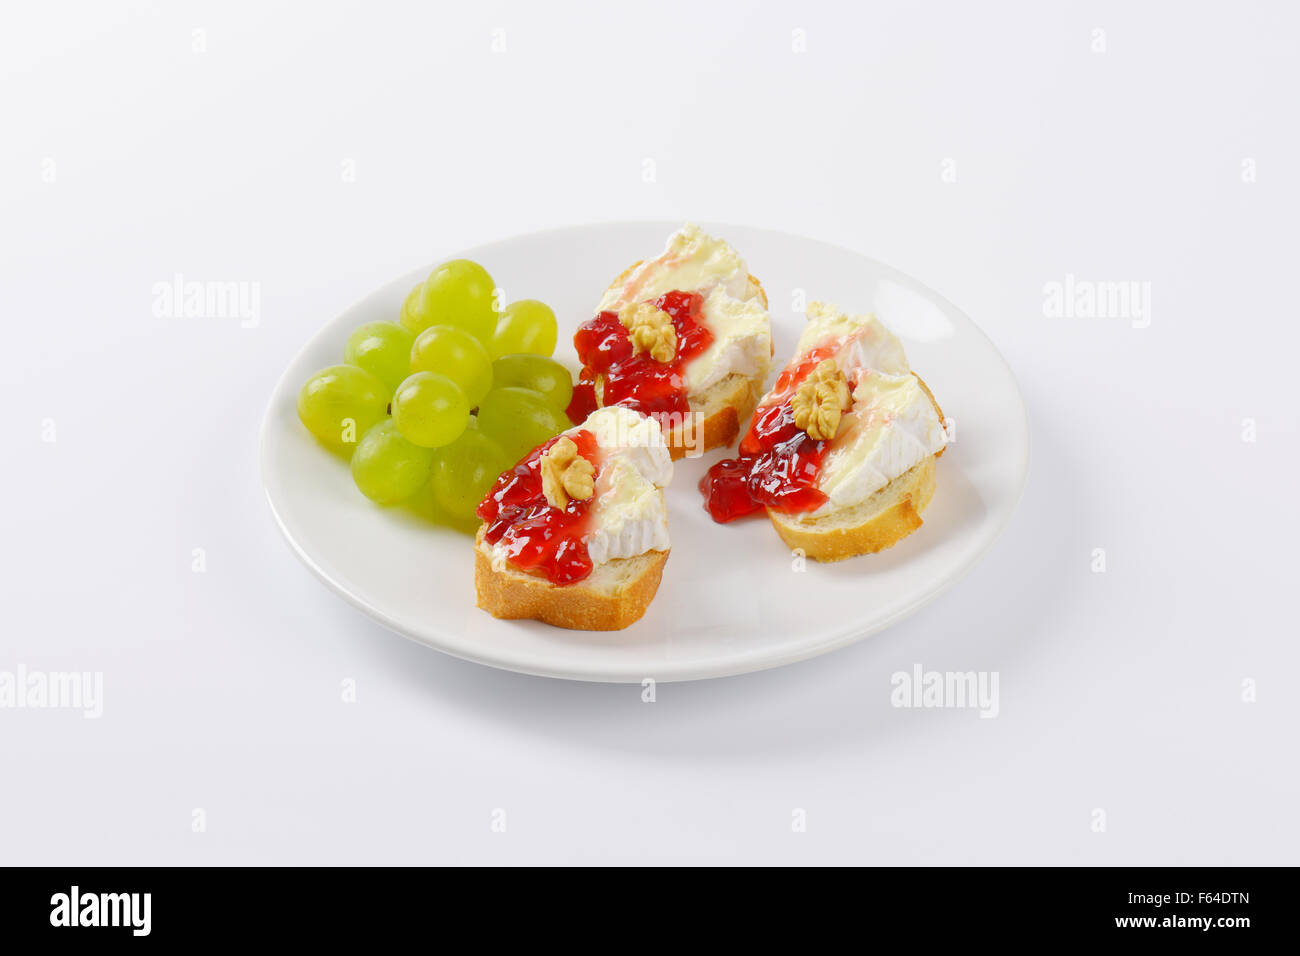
(1120, 691)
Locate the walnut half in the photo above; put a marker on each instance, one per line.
(820, 400)
(651, 330)
(566, 474)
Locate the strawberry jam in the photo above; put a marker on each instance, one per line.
(778, 463)
(634, 379)
(538, 538)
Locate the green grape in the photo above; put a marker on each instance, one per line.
(341, 403)
(388, 468)
(519, 419)
(421, 503)
(410, 314)
(383, 349)
(459, 293)
(430, 410)
(525, 326)
(465, 470)
(456, 354)
(425, 506)
(537, 373)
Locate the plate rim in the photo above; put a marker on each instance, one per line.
(731, 665)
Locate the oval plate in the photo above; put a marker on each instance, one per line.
(733, 598)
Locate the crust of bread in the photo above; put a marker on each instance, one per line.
(880, 522)
(935, 402)
(613, 596)
(717, 414)
(724, 406)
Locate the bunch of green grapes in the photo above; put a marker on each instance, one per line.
(433, 407)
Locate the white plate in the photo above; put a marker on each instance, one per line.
(731, 599)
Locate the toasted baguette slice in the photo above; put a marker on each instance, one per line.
(613, 596)
(935, 402)
(717, 413)
(880, 522)
(723, 407)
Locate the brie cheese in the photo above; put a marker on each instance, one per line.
(694, 261)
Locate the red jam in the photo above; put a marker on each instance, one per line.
(778, 463)
(634, 379)
(584, 400)
(538, 538)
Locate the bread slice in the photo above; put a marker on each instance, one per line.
(880, 522)
(938, 411)
(613, 596)
(720, 409)
(717, 414)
